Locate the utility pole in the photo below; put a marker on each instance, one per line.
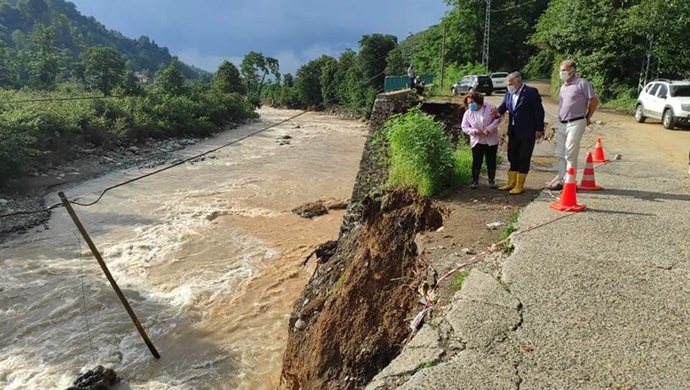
(487, 31)
(647, 62)
(443, 54)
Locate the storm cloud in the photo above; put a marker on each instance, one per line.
(205, 32)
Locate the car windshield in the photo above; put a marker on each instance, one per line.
(499, 75)
(483, 78)
(680, 90)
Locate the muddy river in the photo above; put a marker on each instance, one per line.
(208, 254)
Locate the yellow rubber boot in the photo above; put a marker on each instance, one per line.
(512, 180)
(520, 185)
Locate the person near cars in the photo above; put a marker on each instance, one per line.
(479, 123)
(411, 75)
(419, 85)
(576, 105)
(525, 126)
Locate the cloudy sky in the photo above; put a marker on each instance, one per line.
(205, 32)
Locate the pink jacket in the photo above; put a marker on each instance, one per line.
(472, 127)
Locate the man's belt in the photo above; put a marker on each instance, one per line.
(573, 120)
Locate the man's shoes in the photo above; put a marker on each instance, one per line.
(474, 185)
(492, 184)
(557, 186)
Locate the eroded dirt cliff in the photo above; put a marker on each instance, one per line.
(354, 314)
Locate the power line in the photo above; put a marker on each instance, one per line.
(63, 99)
(186, 160)
(513, 6)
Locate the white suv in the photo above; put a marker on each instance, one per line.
(666, 100)
(499, 80)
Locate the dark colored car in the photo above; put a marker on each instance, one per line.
(477, 83)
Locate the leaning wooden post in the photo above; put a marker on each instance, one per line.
(98, 257)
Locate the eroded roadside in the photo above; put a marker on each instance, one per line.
(589, 300)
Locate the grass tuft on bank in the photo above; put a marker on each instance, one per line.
(420, 155)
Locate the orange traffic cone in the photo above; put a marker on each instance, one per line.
(599, 153)
(568, 201)
(588, 183)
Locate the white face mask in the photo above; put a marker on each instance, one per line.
(512, 89)
(564, 75)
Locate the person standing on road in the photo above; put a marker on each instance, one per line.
(525, 126)
(576, 105)
(411, 75)
(479, 123)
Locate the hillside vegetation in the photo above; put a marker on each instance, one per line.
(67, 81)
(608, 39)
(73, 35)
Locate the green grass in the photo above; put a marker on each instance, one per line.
(463, 164)
(422, 366)
(622, 103)
(508, 229)
(420, 154)
(459, 279)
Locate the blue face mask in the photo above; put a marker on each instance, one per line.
(473, 107)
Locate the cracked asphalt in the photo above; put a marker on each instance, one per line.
(595, 300)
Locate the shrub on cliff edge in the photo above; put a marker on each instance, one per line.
(420, 154)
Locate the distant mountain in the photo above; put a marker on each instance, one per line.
(75, 33)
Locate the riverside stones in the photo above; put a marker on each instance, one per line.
(99, 378)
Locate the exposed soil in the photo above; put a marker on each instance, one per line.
(351, 319)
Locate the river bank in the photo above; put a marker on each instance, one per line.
(26, 193)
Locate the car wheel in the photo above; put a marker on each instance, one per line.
(668, 120)
(489, 93)
(639, 114)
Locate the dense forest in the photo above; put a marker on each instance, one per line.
(73, 34)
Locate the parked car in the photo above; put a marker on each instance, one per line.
(499, 80)
(668, 100)
(477, 83)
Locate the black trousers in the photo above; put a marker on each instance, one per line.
(520, 153)
(479, 151)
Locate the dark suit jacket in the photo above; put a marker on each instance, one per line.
(528, 114)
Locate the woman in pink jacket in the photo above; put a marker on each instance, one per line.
(482, 128)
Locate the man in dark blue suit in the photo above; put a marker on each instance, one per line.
(525, 126)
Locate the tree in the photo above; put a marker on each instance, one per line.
(329, 91)
(103, 69)
(618, 34)
(347, 61)
(670, 39)
(43, 57)
(308, 82)
(255, 68)
(171, 80)
(288, 80)
(373, 50)
(8, 66)
(228, 79)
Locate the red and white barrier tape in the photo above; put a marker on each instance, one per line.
(414, 324)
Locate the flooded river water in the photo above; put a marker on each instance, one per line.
(208, 255)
